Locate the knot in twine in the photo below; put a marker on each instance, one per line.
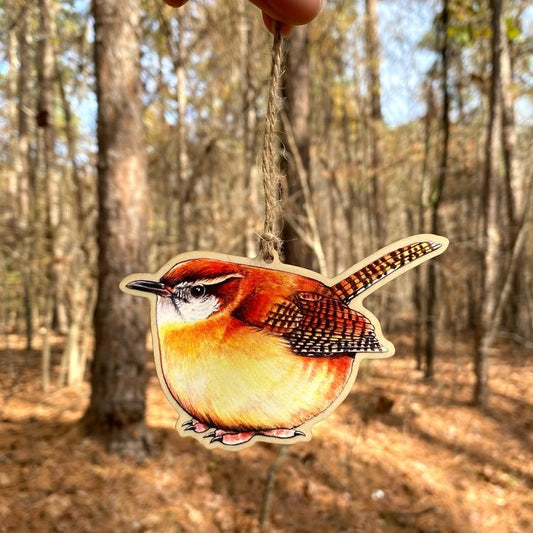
(269, 240)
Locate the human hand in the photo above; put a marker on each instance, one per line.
(289, 12)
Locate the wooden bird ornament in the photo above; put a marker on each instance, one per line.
(247, 351)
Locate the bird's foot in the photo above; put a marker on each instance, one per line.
(233, 439)
(281, 433)
(195, 425)
(230, 438)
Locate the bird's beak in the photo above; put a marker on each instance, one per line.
(155, 287)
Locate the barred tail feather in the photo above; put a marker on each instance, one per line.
(358, 282)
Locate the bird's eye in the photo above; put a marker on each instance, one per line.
(197, 291)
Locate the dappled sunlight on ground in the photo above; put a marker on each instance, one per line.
(400, 454)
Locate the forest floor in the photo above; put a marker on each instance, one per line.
(428, 462)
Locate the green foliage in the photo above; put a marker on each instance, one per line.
(514, 32)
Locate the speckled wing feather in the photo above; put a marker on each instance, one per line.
(358, 282)
(319, 326)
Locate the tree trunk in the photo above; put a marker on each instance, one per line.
(513, 190)
(74, 225)
(436, 197)
(181, 133)
(508, 132)
(23, 170)
(296, 99)
(11, 97)
(419, 289)
(491, 232)
(179, 181)
(375, 124)
(119, 376)
(249, 126)
(46, 122)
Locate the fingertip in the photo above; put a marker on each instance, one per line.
(175, 3)
(304, 11)
(270, 24)
(290, 12)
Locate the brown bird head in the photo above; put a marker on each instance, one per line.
(194, 290)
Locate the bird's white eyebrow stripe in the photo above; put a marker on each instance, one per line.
(208, 281)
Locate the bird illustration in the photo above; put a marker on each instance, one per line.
(248, 350)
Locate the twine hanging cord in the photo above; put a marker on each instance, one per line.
(269, 241)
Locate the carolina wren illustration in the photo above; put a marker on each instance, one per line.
(247, 350)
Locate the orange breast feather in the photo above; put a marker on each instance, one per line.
(241, 378)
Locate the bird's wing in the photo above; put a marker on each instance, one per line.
(319, 326)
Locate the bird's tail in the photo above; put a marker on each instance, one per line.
(364, 278)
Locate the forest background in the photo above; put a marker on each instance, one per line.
(132, 132)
